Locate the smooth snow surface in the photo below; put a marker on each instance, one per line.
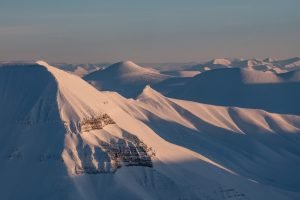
(244, 88)
(58, 136)
(181, 73)
(126, 78)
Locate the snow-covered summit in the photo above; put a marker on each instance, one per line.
(76, 99)
(125, 67)
(126, 78)
(221, 61)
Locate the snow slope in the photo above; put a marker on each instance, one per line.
(181, 73)
(188, 71)
(244, 88)
(126, 78)
(59, 134)
(257, 145)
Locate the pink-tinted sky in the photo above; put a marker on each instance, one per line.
(148, 31)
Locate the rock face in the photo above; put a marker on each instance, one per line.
(109, 155)
(95, 123)
(129, 151)
(57, 102)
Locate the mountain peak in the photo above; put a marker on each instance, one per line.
(126, 63)
(221, 61)
(126, 78)
(149, 91)
(124, 67)
(42, 63)
(72, 96)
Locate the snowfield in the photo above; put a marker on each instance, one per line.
(224, 134)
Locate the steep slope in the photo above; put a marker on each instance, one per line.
(257, 145)
(52, 123)
(126, 78)
(244, 88)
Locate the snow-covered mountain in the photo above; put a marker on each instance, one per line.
(252, 143)
(80, 69)
(60, 138)
(126, 78)
(288, 64)
(189, 69)
(244, 88)
(268, 64)
(55, 128)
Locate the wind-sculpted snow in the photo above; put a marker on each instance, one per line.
(60, 138)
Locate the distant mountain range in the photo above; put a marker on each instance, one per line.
(268, 64)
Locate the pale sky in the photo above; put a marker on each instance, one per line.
(92, 31)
